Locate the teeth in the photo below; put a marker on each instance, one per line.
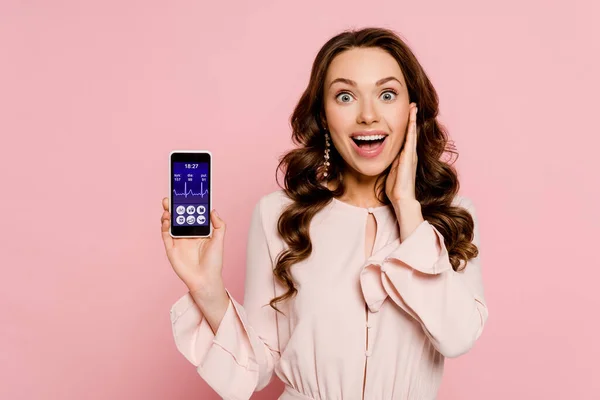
(370, 137)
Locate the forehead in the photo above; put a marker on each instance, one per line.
(365, 66)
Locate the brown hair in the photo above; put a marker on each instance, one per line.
(436, 180)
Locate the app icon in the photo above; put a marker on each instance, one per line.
(191, 219)
(191, 209)
(201, 209)
(180, 219)
(201, 219)
(180, 210)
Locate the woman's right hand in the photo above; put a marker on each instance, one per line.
(197, 261)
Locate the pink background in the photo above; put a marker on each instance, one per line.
(94, 95)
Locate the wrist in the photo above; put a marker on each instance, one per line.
(213, 301)
(406, 206)
(209, 304)
(207, 290)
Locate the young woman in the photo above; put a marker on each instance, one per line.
(363, 272)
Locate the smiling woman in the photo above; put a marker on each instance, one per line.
(350, 95)
(381, 104)
(363, 272)
(362, 87)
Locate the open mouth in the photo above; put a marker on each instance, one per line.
(371, 143)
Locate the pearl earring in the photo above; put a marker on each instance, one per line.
(326, 163)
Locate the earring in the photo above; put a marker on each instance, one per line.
(326, 163)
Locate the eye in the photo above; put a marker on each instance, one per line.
(343, 95)
(393, 93)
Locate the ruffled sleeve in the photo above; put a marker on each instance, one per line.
(240, 357)
(417, 275)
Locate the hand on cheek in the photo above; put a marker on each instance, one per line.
(400, 183)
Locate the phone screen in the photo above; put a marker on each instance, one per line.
(190, 194)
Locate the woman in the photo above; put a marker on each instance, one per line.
(362, 273)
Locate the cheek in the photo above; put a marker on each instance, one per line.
(338, 142)
(398, 120)
(339, 117)
(398, 126)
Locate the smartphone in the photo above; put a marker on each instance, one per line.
(190, 198)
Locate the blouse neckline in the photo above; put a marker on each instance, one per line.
(362, 209)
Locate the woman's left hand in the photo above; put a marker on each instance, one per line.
(400, 182)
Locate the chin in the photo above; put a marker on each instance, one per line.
(370, 169)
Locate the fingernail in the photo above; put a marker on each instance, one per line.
(216, 213)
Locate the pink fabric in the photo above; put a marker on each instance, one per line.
(397, 314)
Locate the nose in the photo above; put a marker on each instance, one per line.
(367, 113)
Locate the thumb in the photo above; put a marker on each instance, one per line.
(218, 224)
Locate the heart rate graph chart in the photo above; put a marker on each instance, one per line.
(190, 184)
(190, 193)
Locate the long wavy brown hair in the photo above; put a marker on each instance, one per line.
(436, 180)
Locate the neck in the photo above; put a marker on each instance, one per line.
(360, 190)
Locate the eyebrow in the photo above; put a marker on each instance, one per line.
(352, 83)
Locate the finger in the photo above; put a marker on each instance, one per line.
(165, 203)
(414, 139)
(409, 126)
(410, 134)
(166, 236)
(218, 224)
(396, 162)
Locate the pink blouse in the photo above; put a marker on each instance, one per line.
(385, 323)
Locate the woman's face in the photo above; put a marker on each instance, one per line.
(366, 98)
